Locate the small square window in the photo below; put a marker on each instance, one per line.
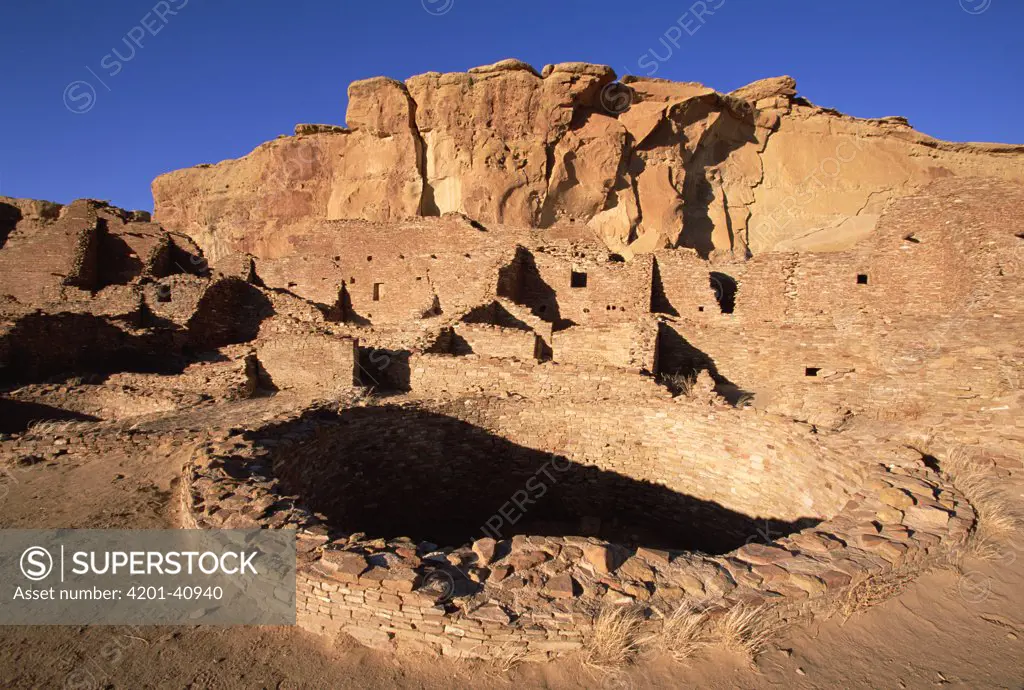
(862, 279)
(811, 371)
(378, 289)
(578, 279)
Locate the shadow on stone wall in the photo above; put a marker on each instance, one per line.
(229, 312)
(384, 370)
(342, 311)
(521, 282)
(660, 303)
(496, 314)
(676, 355)
(118, 263)
(724, 286)
(47, 345)
(394, 471)
(10, 216)
(42, 345)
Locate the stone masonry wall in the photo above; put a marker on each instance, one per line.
(446, 375)
(392, 274)
(681, 285)
(893, 327)
(627, 345)
(495, 341)
(310, 363)
(568, 287)
(748, 462)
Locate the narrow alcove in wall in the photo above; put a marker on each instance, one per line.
(725, 288)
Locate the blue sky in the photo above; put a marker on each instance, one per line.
(197, 81)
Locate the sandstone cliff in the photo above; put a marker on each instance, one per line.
(643, 163)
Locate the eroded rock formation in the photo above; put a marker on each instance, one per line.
(642, 163)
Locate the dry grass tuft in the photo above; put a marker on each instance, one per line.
(979, 547)
(745, 630)
(46, 427)
(679, 384)
(70, 427)
(868, 593)
(508, 657)
(684, 633)
(998, 517)
(614, 640)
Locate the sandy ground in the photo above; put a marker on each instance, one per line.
(963, 630)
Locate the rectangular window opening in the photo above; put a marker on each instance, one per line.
(578, 279)
(377, 289)
(862, 279)
(811, 371)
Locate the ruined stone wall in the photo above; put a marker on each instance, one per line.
(681, 285)
(39, 259)
(41, 345)
(312, 364)
(787, 323)
(121, 304)
(892, 327)
(536, 595)
(495, 342)
(446, 375)
(630, 345)
(568, 289)
(86, 245)
(175, 298)
(229, 311)
(381, 614)
(391, 275)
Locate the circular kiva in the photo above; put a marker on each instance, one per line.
(482, 527)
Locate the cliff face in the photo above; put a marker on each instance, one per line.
(643, 163)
